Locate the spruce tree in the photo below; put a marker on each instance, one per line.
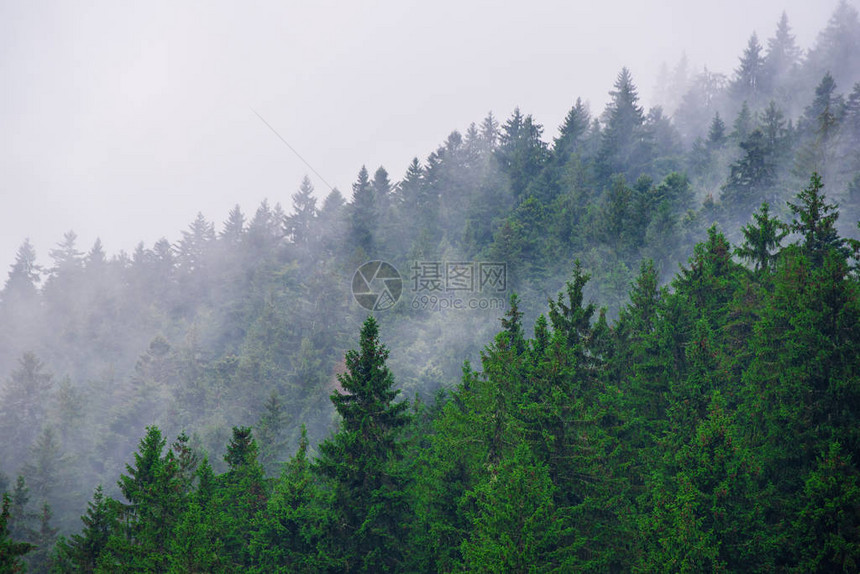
(81, 552)
(10, 551)
(363, 214)
(749, 75)
(300, 224)
(361, 461)
(624, 144)
(761, 240)
(816, 221)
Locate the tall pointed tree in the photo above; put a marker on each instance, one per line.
(10, 551)
(361, 462)
(624, 147)
(749, 76)
(762, 239)
(300, 223)
(816, 221)
(781, 59)
(363, 214)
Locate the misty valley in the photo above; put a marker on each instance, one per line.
(633, 345)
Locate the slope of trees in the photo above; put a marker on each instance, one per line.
(700, 417)
(713, 425)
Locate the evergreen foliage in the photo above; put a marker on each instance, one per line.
(700, 413)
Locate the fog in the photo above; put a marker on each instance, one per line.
(189, 266)
(122, 123)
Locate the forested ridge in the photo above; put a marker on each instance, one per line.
(673, 385)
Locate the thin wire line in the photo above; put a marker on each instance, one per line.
(292, 149)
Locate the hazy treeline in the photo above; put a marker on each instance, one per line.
(246, 324)
(713, 426)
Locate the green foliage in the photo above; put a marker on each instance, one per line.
(816, 221)
(10, 551)
(515, 526)
(81, 552)
(362, 463)
(699, 420)
(288, 531)
(762, 240)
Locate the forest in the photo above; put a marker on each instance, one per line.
(671, 383)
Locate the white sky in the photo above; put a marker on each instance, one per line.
(123, 123)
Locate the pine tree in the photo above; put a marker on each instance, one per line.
(23, 406)
(818, 128)
(197, 543)
(44, 467)
(827, 528)
(362, 462)
(10, 551)
(194, 246)
(301, 223)
(489, 132)
(288, 530)
(749, 76)
(363, 214)
(698, 105)
(717, 133)
(41, 560)
(382, 189)
(19, 299)
(575, 127)
(521, 152)
(242, 495)
(156, 500)
(233, 229)
(751, 178)
(81, 552)
(762, 239)
(624, 147)
(743, 125)
(516, 527)
(835, 48)
(816, 221)
(270, 434)
(782, 58)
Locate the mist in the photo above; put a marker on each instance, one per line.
(173, 263)
(123, 124)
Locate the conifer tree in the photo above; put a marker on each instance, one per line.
(10, 551)
(300, 224)
(717, 132)
(23, 406)
(242, 495)
(155, 503)
(781, 60)
(361, 461)
(270, 434)
(363, 214)
(575, 126)
(81, 552)
(516, 526)
(234, 228)
(816, 221)
(624, 147)
(747, 85)
(762, 239)
(287, 531)
(521, 152)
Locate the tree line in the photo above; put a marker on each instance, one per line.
(247, 325)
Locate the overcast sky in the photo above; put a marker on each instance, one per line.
(123, 123)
